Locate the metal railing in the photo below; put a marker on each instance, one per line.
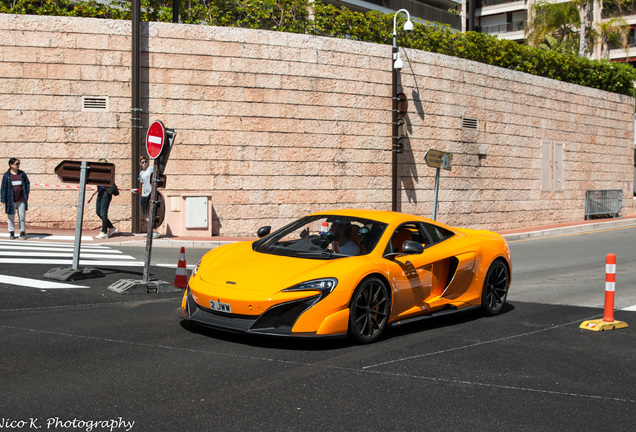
(615, 11)
(631, 42)
(497, 2)
(504, 28)
(608, 202)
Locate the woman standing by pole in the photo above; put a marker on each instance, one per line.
(14, 193)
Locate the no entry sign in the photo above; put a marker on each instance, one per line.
(154, 139)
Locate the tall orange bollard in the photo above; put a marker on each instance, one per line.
(607, 323)
(610, 287)
(181, 278)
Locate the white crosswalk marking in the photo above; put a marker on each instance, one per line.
(35, 283)
(49, 237)
(54, 253)
(21, 254)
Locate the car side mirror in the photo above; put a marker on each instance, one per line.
(411, 247)
(263, 231)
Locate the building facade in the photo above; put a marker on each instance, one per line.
(509, 19)
(446, 12)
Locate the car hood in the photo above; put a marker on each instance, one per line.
(238, 265)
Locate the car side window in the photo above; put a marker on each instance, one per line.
(407, 231)
(420, 232)
(435, 233)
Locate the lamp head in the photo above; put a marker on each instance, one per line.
(398, 63)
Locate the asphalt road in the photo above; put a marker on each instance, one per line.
(91, 359)
(570, 269)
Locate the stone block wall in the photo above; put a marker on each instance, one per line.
(274, 125)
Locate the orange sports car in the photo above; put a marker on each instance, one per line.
(347, 272)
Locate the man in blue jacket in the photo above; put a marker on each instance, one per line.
(14, 193)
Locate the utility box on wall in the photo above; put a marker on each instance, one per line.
(196, 212)
(188, 215)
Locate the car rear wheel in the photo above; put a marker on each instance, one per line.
(369, 311)
(495, 290)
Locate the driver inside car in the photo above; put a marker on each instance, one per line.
(343, 244)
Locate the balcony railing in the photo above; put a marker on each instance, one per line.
(496, 2)
(631, 43)
(504, 28)
(611, 11)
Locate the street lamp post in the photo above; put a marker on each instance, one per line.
(396, 66)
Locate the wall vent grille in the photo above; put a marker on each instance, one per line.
(95, 103)
(469, 123)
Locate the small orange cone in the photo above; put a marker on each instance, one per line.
(181, 278)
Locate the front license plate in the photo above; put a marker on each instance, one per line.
(220, 307)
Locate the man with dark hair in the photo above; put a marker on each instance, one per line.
(342, 239)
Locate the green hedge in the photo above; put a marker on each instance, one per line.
(294, 16)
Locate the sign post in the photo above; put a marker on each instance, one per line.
(80, 216)
(438, 159)
(156, 139)
(97, 173)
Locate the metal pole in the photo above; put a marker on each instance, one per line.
(175, 11)
(394, 128)
(80, 215)
(135, 119)
(152, 212)
(436, 191)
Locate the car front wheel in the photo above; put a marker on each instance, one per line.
(495, 289)
(369, 311)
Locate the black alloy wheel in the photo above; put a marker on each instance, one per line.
(495, 290)
(369, 311)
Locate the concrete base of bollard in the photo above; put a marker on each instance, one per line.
(135, 286)
(600, 325)
(70, 274)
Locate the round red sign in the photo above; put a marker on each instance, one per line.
(154, 139)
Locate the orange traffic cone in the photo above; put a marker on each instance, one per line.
(181, 278)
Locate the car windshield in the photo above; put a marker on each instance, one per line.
(323, 237)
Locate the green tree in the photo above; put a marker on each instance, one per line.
(612, 33)
(36, 7)
(560, 21)
(585, 8)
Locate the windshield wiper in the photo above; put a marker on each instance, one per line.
(315, 254)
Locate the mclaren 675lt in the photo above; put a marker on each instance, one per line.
(347, 272)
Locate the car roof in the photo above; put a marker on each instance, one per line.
(386, 216)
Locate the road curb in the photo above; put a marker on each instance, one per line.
(173, 243)
(574, 229)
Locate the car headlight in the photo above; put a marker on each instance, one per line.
(195, 269)
(325, 286)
